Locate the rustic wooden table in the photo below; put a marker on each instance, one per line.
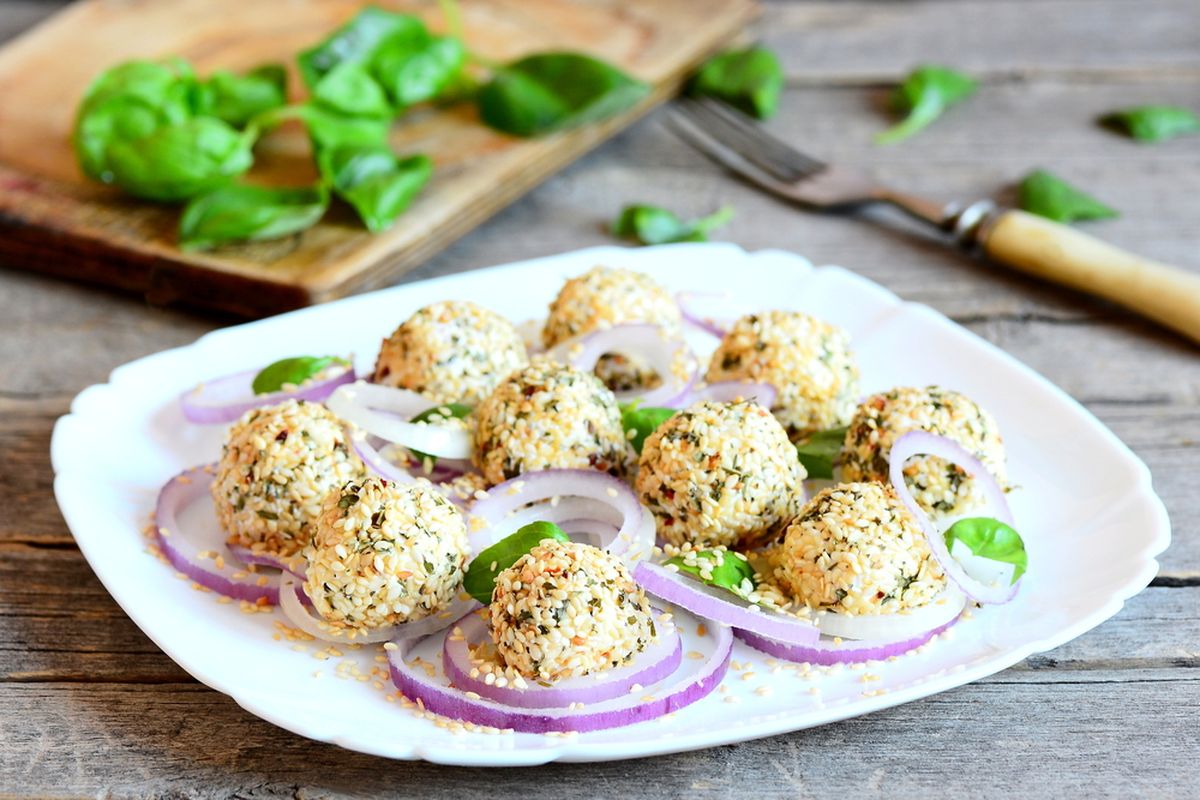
(91, 707)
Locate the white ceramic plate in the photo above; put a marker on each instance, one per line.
(1086, 508)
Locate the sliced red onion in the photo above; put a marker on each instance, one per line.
(827, 652)
(923, 443)
(729, 391)
(197, 559)
(910, 622)
(565, 494)
(659, 660)
(227, 399)
(687, 309)
(294, 565)
(292, 603)
(695, 680)
(644, 340)
(384, 412)
(721, 606)
(371, 455)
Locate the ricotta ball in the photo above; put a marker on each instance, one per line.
(808, 361)
(384, 553)
(276, 467)
(451, 352)
(720, 474)
(603, 297)
(855, 548)
(566, 609)
(548, 416)
(942, 489)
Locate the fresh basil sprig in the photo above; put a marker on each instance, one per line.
(242, 213)
(925, 94)
(820, 452)
(1153, 123)
(548, 92)
(480, 578)
(990, 538)
(238, 99)
(292, 371)
(646, 224)
(1049, 196)
(731, 574)
(749, 79)
(454, 410)
(642, 421)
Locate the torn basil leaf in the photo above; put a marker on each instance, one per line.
(1049, 196)
(749, 79)
(819, 453)
(292, 371)
(249, 213)
(379, 185)
(731, 574)
(925, 94)
(480, 578)
(642, 421)
(1153, 123)
(992, 539)
(646, 224)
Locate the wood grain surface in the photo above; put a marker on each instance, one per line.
(92, 708)
(54, 220)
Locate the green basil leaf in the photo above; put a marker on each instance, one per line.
(330, 131)
(548, 92)
(292, 371)
(642, 421)
(1048, 196)
(455, 410)
(647, 224)
(1154, 123)
(238, 99)
(356, 41)
(417, 71)
(990, 538)
(480, 578)
(749, 79)
(820, 451)
(923, 96)
(731, 573)
(379, 185)
(249, 213)
(181, 161)
(350, 89)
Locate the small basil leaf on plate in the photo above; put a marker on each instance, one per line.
(925, 94)
(349, 89)
(732, 572)
(444, 411)
(642, 421)
(1049, 196)
(238, 99)
(356, 41)
(749, 79)
(249, 213)
(548, 92)
(292, 371)
(183, 160)
(992, 539)
(820, 451)
(1154, 123)
(376, 183)
(646, 224)
(480, 578)
(419, 69)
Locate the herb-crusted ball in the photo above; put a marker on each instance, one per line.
(277, 465)
(548, 416)
(603, 297)
(385, 553)
(941, 488)
(855, 548)
(454, 351)
(566, 609)
(808, 361)
(720, 474)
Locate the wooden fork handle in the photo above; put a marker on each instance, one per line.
(1056, 252)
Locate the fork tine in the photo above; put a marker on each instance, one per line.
(750, 140)
(722, 154)
(779, 149)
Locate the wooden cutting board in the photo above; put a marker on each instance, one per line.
(53, 220)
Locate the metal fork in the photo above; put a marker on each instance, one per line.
(1010, 237)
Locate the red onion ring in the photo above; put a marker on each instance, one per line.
(292, 602)
(713, 603)
(826, 652)
(384, 411)
(641, 339)
(697, 680)
(696, 320)
(184, 552)
(504, 509)
(226, 399)
(294, 565)
(915, 443)
(659, 660)
(912, 622)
